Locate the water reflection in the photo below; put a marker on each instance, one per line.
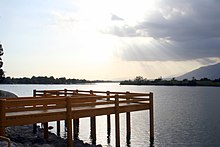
(186, 116)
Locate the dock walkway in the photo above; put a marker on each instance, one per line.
(56, 105)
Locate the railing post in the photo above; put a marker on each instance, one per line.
(65, 92)
(151, 118)
(69, 121)
(108, 120)
(2, 117)
(91, 92)
(117, 122)
(34, 92)
(128, 119)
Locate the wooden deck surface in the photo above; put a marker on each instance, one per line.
(55, 105)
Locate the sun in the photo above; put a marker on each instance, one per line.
(95, 48)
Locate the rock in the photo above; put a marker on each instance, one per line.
(4, 94)
(23, 136)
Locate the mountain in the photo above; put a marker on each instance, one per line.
(211, 72)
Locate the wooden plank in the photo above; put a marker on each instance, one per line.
(55, 114)
(93, 103)
(92, 112)
(34, 108)
(133, 107)
(34, 118)
(31, 102)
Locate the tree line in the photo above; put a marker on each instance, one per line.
(42, 80)
(139, 80)
(1, 63)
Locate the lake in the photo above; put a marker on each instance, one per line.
(184, 116)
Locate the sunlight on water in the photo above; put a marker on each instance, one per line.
(184, 116)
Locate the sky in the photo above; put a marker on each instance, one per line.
(108, 39)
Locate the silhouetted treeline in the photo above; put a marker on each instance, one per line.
(2, 75)
(139, 80)
(42, 80)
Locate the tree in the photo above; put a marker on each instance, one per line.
(138, 78)
(2, 75)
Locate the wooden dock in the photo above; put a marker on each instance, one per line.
(56, 105)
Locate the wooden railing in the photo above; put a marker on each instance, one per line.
(55, 105)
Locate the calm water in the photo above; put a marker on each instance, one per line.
(184, 116)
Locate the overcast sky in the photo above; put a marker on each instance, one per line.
(115, 39)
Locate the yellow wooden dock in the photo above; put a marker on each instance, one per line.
(56, 105)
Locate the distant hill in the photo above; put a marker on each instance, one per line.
(211, 72)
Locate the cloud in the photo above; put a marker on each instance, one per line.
(114, 18)
(181, 30)
(64, 20)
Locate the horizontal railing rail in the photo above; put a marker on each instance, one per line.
(73, 92)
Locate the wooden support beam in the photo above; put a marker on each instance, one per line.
(93, 129)
(45, 124)
(76, 128)
(128, 122)
(69, 122)
(58, 122)
(34, 125)
(34, 128)
(108, 125)
(151, 118)
(2, 117)
(93, 125)
(108, 119)
(58, 128)
(108, 129)
(65, 125)
(45, 130)
(117, 122)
